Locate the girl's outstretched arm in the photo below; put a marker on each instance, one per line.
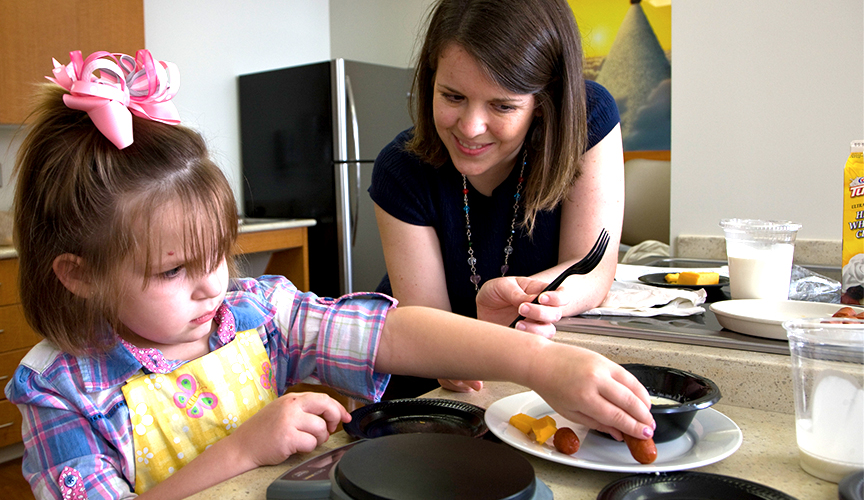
(581, 385)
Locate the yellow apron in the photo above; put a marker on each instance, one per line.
(176, 416)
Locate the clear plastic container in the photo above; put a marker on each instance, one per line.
(828, 379)
(760, 254)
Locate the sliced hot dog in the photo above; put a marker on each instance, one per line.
(643, 450)
(566, 441)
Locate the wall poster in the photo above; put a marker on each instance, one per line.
(628, 50)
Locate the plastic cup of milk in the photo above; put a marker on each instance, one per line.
(760, 257)
(828, 380)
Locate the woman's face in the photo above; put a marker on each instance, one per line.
(481, 124)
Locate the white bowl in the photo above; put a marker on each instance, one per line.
(764, 318)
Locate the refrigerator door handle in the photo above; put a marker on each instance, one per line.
(355, 132)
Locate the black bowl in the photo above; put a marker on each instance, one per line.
(692, 392)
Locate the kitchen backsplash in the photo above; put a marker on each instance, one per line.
(821, 252)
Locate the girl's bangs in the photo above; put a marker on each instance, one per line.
(205, 216)
(209, 229)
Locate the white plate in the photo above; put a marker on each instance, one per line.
(764, 318)
(710, 438)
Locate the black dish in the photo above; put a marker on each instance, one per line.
(407, 416)
(659, 279)
(692, 392)
(851, 487)
(688, 486)
(423, 466)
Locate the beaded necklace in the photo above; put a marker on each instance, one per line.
(508, 248)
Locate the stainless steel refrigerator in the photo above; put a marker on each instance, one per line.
(310, 135)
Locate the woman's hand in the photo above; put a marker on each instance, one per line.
(461, 385)
(501, 300)
(295, 423)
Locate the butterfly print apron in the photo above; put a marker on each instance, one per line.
(176, 416)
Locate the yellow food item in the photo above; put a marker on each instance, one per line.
(688, 278)
(671, 278)
(522, 422)
(544, 428)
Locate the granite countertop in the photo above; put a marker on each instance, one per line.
(757, 396)
(245, 226)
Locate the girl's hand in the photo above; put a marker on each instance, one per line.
(460, 385)
(295, 423)
(601, 394)
(501, 300)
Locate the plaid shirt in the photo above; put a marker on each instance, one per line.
(77, 429)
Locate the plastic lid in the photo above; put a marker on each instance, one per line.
(857, 146)
(772, 226)
(425, 466)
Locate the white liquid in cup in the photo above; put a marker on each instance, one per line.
(831, 442)
(760, 273)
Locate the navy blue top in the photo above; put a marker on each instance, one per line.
(422, 195)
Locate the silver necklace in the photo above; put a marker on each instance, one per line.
(508, 248)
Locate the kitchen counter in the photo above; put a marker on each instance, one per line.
(757, 396)
(245, 226)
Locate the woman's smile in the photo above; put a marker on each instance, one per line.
(472, 148)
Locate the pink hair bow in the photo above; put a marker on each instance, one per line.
(125, 86)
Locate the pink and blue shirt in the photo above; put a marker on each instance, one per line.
(76, 426)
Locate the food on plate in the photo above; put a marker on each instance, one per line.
(693, 278)
(522, 422)
(643, 450)
(566, 441)
(700, 278)
(848, 312)
(543, 428)
(660, 400)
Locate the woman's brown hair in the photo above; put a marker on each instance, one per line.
(79, 194)
(526, 47)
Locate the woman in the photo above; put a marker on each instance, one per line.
(512, 169)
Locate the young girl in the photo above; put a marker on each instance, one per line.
(160, 375)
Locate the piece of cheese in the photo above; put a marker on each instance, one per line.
(544, 428)
(701, 278)
(522, 422)
(671, 278)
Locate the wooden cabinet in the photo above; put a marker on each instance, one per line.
(33, 32)
(290, 252)
(16, 338)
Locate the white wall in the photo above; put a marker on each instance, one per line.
(766, 96)
(376, 31)
(213, 41)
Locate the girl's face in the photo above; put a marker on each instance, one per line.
(482, 125)
(174, 312)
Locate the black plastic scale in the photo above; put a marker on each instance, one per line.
(413, 467)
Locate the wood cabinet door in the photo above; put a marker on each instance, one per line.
(35, 31)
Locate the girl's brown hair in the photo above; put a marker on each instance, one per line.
(526, 47)
(78, 194)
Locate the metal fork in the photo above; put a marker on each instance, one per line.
(584, 266)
